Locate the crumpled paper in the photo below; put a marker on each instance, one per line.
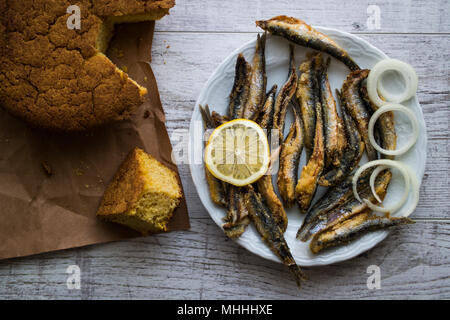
(43, 211)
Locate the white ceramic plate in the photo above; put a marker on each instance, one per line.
(215, 93)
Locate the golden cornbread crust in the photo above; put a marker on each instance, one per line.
(135, 180)
(57, 78)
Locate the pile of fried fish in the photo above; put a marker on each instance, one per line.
(333, 144)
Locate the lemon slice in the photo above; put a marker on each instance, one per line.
(238, 152)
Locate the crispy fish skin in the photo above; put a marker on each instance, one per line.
(357, 108)
(307, 184)
(257, 81)
(385, 125)
(333, 198)
(271, 233)
(265, 188)
(335, 141)
(217, 189)
(298, 32)
(264, 185)
(352, 153)
(237, 214)
(239, 93)
(307, 101)
(353, 228)
(284, 97)
(267, 111)
(291, 150)
(352, 207)
(218, 118)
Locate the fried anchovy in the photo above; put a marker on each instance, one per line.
(333, 128)
(357, 108)
(291, 150)
(266, 118)
(353, 228)
(270, 232)
(352, 153)
(217, 188)
(284, 97)
(265, 188)
(257, 81)
(298, 32)
(264, 185)
(239, 92)
(237, 214)
(218, 118)
(334, 197)
(352, 207)
(306, 99)
(385, 125)
(307, 184)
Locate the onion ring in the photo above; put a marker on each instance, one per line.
(375, 87)
(415, 192)
(387, 163)
(414, 123)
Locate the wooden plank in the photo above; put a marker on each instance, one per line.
(202, 263)
(179, 88)
(414, 16)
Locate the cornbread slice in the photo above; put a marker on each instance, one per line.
(143, 194)
(59, 78)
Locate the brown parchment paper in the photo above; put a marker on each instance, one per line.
(40, 213)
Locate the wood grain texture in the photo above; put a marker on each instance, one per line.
(410, 16)
(202, 263)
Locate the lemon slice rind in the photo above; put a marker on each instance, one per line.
(242, 159)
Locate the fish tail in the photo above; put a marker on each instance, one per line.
(262, 24)
(298, 274)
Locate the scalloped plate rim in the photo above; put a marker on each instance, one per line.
(363, 246)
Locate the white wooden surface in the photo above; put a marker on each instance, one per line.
(202, 263)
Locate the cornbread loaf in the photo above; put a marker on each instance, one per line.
(142, 195)
(59, 78)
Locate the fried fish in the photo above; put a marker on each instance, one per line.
(298, 32)
(257, 81)
(291, 149)
(239, 93)
(271, 233)
(357, 108)
(352, 153)
(284, 97)
(353, 228)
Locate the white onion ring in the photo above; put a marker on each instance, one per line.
(374, 86)
(414, 123)
(415, 193)
(387, 163)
